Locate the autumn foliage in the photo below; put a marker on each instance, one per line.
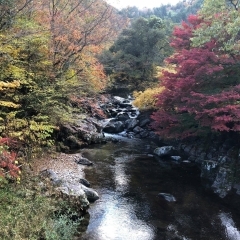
(203, 94)
(48, 56)
(8, 163)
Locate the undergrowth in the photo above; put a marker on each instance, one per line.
(26, 214)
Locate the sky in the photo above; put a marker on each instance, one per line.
(140, 3)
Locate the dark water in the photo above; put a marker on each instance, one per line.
(128, 181)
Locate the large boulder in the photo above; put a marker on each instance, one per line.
(122, 116)
(131, 123)
(70, 189)
(80, 133)
(114, 127)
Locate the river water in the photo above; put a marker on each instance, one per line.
(128, 179)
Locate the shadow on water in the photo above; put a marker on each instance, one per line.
(129, 179)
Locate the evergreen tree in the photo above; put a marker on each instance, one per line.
(133, 56)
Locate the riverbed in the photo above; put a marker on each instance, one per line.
(129, 178)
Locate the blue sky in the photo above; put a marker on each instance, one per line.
(140, 3)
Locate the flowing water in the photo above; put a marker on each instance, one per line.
(128, 179)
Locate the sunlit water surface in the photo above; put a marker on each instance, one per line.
(128, 179)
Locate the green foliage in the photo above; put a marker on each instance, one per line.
(26, 214)
(61, 227)
(135, 53)
(221, 23)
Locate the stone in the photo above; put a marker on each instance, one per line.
(137, 129)
(176, 158)
(48, 173)
(164, 151)
(144, 134)
(73, 142)
(144, 122)
(91, 194)
(131, 123)
(114, 127)
(85, 182)
(83, 161)
(222, 184)
(168, 197)
(209, 169)
(73, 191)
(122, 117)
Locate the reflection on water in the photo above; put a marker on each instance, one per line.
(231, 231)
(128, 181)
(117, 221)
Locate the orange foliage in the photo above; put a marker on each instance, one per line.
(76, 25)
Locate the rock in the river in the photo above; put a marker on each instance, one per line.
(168, 197)
(123, 116)
(176, 158)
(114, 127)
(84, 182)
(83, 161)
(131, 123)
(92, 195)
(164, 151)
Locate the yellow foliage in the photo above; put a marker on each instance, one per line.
(147, 99)
(168, 68)
(9, 104)
(6, 85)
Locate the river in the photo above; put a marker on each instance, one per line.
(128, 179)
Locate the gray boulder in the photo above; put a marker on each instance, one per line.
(84, 182)
(131, 123)
(123, 116)
(164, 151)
(137, 129)
(91, 195)
(83, 161)
(114, 127)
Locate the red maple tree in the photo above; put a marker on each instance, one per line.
(204, 92)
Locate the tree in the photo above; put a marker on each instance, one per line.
(203, 95)
(74, 26)
(47, 54)
(221, 23)
(10, 10)
(133, 55)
